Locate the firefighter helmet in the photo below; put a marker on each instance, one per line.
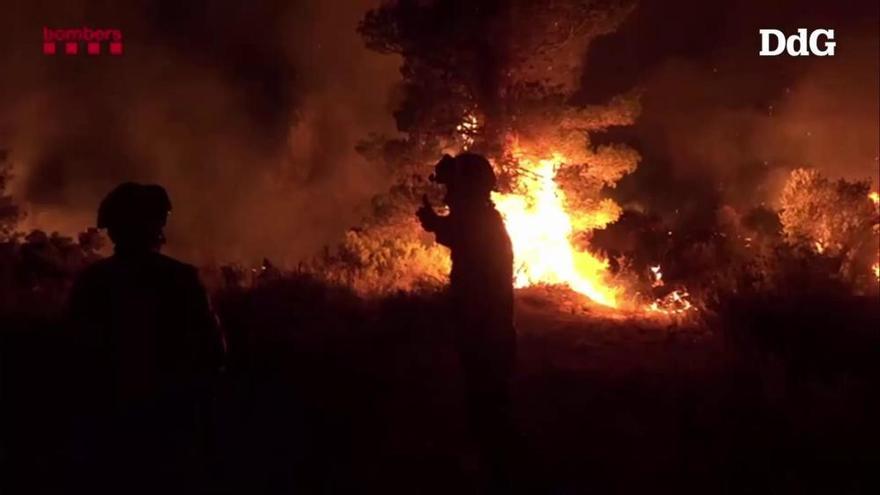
(467, 171)
(131, 205)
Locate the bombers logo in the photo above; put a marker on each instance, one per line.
(72, 40)
(801, 44)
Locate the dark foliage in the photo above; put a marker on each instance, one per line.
(325, 392)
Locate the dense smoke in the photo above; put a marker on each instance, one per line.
(248, 113)
(721, 125)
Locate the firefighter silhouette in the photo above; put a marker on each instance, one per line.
(481, 297)
(150, 347)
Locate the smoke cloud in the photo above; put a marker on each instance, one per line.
(721, 125)
(248, 112)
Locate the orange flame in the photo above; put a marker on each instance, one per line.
(658, 276)
(540, 230)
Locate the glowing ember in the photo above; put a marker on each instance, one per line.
(876, 270)
(658, 276)
(540, 230)
(673, 303)
(467, 129)
(677, 301)
(875, 197)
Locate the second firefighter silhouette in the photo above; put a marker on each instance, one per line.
(481, 290)
(149, 349)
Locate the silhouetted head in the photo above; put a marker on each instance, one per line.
(135, 215)
(468, 177)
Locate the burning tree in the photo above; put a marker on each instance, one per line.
(836, 219)
(497, 78)
(829, 216)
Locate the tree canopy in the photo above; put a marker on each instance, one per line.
(497, 78)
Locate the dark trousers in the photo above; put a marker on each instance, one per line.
(141, 447)
(488, 355)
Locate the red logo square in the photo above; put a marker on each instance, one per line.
(71, 48)
(49, 48)
(93, 48)
(116, 48)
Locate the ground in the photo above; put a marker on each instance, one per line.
(327, 393)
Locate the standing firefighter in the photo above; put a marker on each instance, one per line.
(149, 348)
(481, 289)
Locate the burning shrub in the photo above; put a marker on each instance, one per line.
(387, 258)
(833, 219)
(497, 79)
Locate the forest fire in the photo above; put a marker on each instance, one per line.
(444, 246)
(540, 230)
(675, 302)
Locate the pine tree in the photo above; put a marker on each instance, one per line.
(497, 78)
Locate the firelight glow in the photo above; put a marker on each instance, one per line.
(540, 231)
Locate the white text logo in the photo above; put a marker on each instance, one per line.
(802, 44)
